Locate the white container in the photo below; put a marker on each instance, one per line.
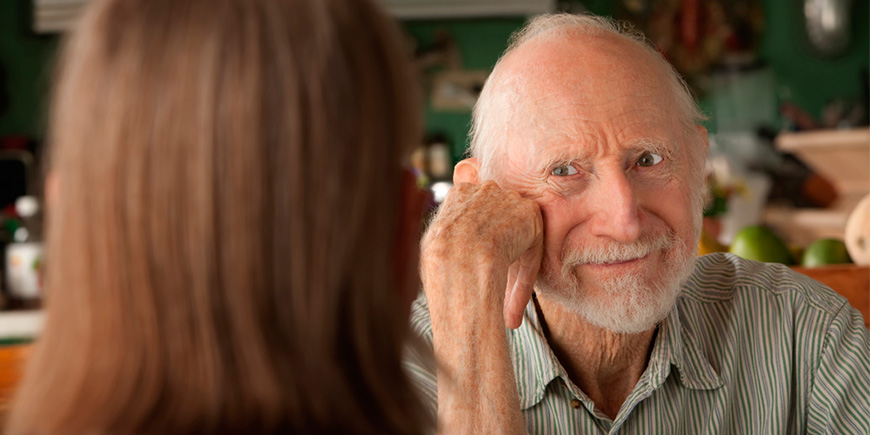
(23, 270)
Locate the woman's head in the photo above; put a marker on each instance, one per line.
(223, 232)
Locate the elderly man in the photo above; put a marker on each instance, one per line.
(575, 223)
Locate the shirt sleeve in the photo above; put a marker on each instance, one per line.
(419, 355)
(840, 396)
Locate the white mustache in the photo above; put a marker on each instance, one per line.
(616, 252)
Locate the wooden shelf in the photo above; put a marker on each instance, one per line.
(841, 156)
(852, 138)
(800, 227)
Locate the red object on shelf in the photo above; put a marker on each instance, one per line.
(14, 143)
(690, 25)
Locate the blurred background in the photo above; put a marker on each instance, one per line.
(784, 83)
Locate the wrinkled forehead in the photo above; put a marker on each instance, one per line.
(576, 88)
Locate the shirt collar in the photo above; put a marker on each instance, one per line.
(536, 365)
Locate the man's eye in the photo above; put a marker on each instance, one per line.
(649, 159)
(564, 170)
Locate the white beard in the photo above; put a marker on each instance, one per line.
(629, 303)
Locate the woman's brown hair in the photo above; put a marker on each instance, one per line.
(220, 245)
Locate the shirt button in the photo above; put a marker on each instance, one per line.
(575, 403)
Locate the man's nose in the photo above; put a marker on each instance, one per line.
(615, 207)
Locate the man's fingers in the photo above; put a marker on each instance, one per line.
(522, 276)
(510, 289)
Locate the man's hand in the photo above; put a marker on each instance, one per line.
(489, 236)
(480, 258)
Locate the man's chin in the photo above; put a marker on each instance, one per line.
(626, 322)
(627, 305)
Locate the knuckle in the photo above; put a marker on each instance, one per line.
(489, 186)
(460, 189)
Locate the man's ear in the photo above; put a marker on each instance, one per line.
(467, 171)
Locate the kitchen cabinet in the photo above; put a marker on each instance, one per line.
(12, 361)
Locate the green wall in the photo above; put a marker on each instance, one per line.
(27, 59)
(812, 81)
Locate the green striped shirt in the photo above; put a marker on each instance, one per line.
(749, 348)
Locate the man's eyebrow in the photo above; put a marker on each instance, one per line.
(655, 145)
(543, 162)
(668, 149)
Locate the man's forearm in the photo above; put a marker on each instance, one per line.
(477, 391)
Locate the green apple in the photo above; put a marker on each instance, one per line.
(760, 243)
(826, 251)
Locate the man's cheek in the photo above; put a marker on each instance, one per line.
(551, 265)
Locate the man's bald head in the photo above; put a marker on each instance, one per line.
(576, 54)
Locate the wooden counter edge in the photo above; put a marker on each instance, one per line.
(851, 281)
